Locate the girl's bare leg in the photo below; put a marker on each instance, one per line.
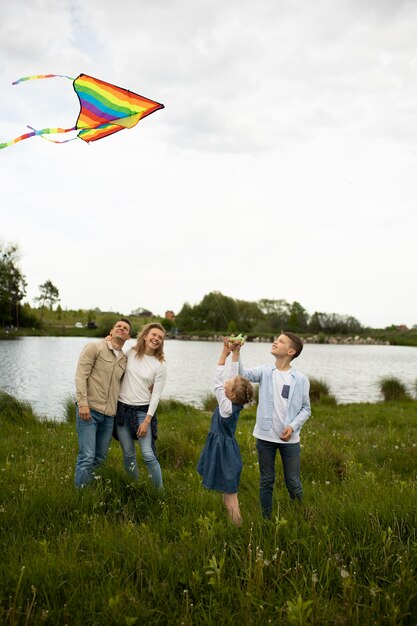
(232, 505)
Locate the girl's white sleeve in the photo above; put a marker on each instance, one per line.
(158, 387)
(234, 369)
(225, 405)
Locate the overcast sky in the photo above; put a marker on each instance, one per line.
(283, 166)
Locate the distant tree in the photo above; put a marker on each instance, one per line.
(213, 313)
(48, 293)
(333, 323)
(249, 314)
(28, 317)
(297, 319)
(216, 311)
(12, 284)
(270, 307)
(276, 314)
(185, 318)
(91, 315)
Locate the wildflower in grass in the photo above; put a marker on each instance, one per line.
(259, 555)
(276, 554)
(344, 573)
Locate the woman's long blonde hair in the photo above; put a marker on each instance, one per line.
(140, 346)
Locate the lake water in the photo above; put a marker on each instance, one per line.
(41, 370)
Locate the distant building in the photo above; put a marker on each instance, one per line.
(169, 315)
(142, 313)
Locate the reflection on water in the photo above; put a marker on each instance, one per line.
(41, 370)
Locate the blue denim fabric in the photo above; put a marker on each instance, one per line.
(126, 426)
(290, 457)
(94, 438)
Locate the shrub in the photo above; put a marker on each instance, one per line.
(393, 389)
(209, 402)
(320, 391)
(69, 406)
(13, 411)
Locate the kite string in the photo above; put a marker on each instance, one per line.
(222, 312)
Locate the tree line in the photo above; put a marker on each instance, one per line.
(217, 312)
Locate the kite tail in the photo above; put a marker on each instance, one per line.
(20, 80)
(44, 131)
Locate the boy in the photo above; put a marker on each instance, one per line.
(283, 408)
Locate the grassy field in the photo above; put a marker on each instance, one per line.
(117, 553)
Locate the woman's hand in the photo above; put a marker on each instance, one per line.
(143, 428)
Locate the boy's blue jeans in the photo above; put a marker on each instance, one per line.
(94, 438)
(290, 457)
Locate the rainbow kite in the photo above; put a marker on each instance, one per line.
(104, 109)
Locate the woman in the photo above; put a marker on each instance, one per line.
(139, 396)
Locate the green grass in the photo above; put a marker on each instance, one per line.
(119, 553)
(393, 389)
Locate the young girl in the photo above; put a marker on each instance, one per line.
(220, 463)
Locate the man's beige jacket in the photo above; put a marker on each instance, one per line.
(98, 377)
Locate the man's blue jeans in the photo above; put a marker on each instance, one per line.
(94, 438)
(290, 457)
(124, 434)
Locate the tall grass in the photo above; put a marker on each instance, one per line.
(393, 389)
(119, 553)
(320, 391)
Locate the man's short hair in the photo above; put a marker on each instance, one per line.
(297, 343)
(125, 320)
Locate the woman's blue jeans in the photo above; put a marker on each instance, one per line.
(290, 457)
(94, 438)
(124, 434)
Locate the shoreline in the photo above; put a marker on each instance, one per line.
(313, 339)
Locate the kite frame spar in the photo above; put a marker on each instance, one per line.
(105, 109)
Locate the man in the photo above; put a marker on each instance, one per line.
(283, 408)
(99, 373)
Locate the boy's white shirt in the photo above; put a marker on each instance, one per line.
(279, 412)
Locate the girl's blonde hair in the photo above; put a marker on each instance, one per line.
(243, 390)
(140, 346)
